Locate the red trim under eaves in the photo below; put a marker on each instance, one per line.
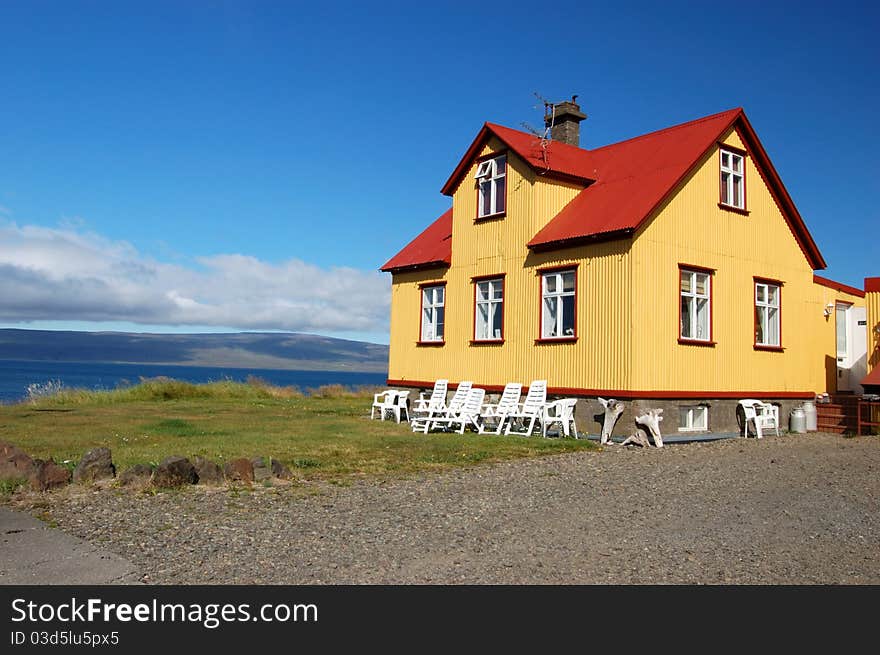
(580, 240)
(837, 286)
(479, 141)
(780, 194)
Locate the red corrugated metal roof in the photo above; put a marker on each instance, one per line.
(872, 378)
(635, 177)
(872, 284)
(632, 178)
(624, 183)
(433, 247)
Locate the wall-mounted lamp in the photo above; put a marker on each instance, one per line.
(828, 309)
(877, 331)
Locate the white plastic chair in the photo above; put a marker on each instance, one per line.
(530, 411)
(562, 412)
(497, 414)
(384, 402)
(762, 416)
(436, 400)
(401, 405)
(423, 422)
(469, 413)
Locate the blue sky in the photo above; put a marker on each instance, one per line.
(249, 165)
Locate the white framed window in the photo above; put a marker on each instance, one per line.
(692, 418)
(767, 314)
(558, 292)
(733, 181)
(492, 186)
(489, 310)
(433, 312)
(696, 305)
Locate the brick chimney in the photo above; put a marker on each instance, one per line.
(564, 120)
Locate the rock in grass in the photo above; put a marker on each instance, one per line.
(239, 470)
(48, 475)
(174, 471)
(262, 469)
(97, 464)
(280, 471)
(208, 471)
(15, 464)
(137, 474)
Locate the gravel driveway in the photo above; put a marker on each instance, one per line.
(793, 509)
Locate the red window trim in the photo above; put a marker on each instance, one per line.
(760, 346)
(711, 273)
(694, 267)
(422, 286)
(483, 278)
(733, 149)
(735, 210)
(768, 280)
(540, 273)
(490, 217)
(479, 160)
(491, 155)
(727, 206)
(697, 342)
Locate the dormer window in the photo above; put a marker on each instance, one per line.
(733, 181)
(492, 185)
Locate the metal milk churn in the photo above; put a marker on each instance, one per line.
(811, 415)
(798, 421)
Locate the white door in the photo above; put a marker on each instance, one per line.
(842, 331)
(859, 348)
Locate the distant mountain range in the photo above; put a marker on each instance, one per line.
(267, 350)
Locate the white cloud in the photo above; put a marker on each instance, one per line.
(68, 274)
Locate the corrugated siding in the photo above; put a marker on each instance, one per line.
(691, 229)
(872, 301)
(598, 360)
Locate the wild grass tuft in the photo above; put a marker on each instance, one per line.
(166, 389)
(8, 486)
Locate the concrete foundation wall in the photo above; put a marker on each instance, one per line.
(723, 415)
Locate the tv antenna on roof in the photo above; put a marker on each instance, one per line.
(549, 122)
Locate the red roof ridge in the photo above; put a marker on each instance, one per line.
(734, 112)
(565, 146)
(566, 162)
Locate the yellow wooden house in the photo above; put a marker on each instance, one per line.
(672, 269)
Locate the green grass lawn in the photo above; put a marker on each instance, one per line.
(327, 435)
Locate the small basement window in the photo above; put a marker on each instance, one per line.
(693, 418)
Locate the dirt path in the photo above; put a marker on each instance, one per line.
(790, 509)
